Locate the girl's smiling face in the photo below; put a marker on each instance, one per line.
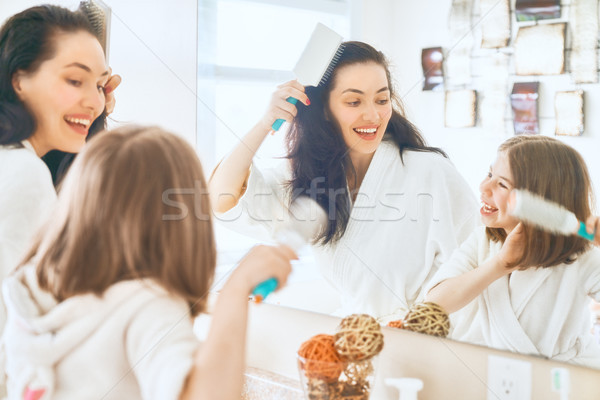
(65, 94)
(495, 191)
(360, 105)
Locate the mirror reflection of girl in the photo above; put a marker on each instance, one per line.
(524, 289)
(397, 208)
(55, 91)
(103, 305)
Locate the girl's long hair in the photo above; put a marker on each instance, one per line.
(134, 205)
(557, 172)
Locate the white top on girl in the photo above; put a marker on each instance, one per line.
(134, 342)
(535, 311)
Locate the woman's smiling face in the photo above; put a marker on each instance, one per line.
(65, 94)
(360, 104)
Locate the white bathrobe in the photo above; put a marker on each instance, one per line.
(541, 311)
(406, 220)
(134, 342)
(26, 197)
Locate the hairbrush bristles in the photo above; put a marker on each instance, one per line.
(98, 14)
(332, 64)
(543, 213)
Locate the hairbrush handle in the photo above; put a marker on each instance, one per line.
(263, 289)
(584, 233)
(286, 237)
(277, 124)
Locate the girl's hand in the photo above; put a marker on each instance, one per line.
(280, 108)
(262, 263)
(113, 82)
(593, 226)
(513, 248)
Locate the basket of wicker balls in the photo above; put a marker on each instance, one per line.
(428, 317)
(340, 366)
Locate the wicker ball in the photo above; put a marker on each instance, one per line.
(320, 358)
(357, 373)
(427, 318)
(396, 324)
(358, 338)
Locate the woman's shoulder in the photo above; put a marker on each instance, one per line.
(23, 168)
(433, 167)
(428, 159)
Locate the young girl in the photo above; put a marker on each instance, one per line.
(103, 306)
(397, 208)
(528, 289)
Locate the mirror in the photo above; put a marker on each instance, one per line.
(238, 70)
(157, 62)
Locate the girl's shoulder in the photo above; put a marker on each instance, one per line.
(590, 258)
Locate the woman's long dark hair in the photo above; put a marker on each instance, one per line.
(27, 39)
(318, 153)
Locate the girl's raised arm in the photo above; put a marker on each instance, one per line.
(455, 293)
(218, 371)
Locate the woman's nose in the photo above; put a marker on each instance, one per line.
(94, 100)
(370, 113)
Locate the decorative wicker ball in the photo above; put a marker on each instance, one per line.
(396, 324)
(427, 318)
(357, 373)
(321, 360)
(358, 338)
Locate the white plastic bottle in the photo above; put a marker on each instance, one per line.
(408, 387)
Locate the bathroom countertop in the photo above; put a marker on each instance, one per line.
(260, 385)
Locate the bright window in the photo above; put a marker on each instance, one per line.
(246, 49)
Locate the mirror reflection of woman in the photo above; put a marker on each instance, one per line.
(53, 96)
(518, 287)
(397, 208)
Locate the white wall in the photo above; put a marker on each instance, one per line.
(153, 47)
(401, 29)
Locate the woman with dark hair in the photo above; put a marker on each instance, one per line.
(54, 85)
(397, 208)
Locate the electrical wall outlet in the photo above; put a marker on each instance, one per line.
(508, 379)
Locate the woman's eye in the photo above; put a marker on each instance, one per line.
(382, 102)
(502, 185)
(489, 175)
(353, 103)
(74, 82)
